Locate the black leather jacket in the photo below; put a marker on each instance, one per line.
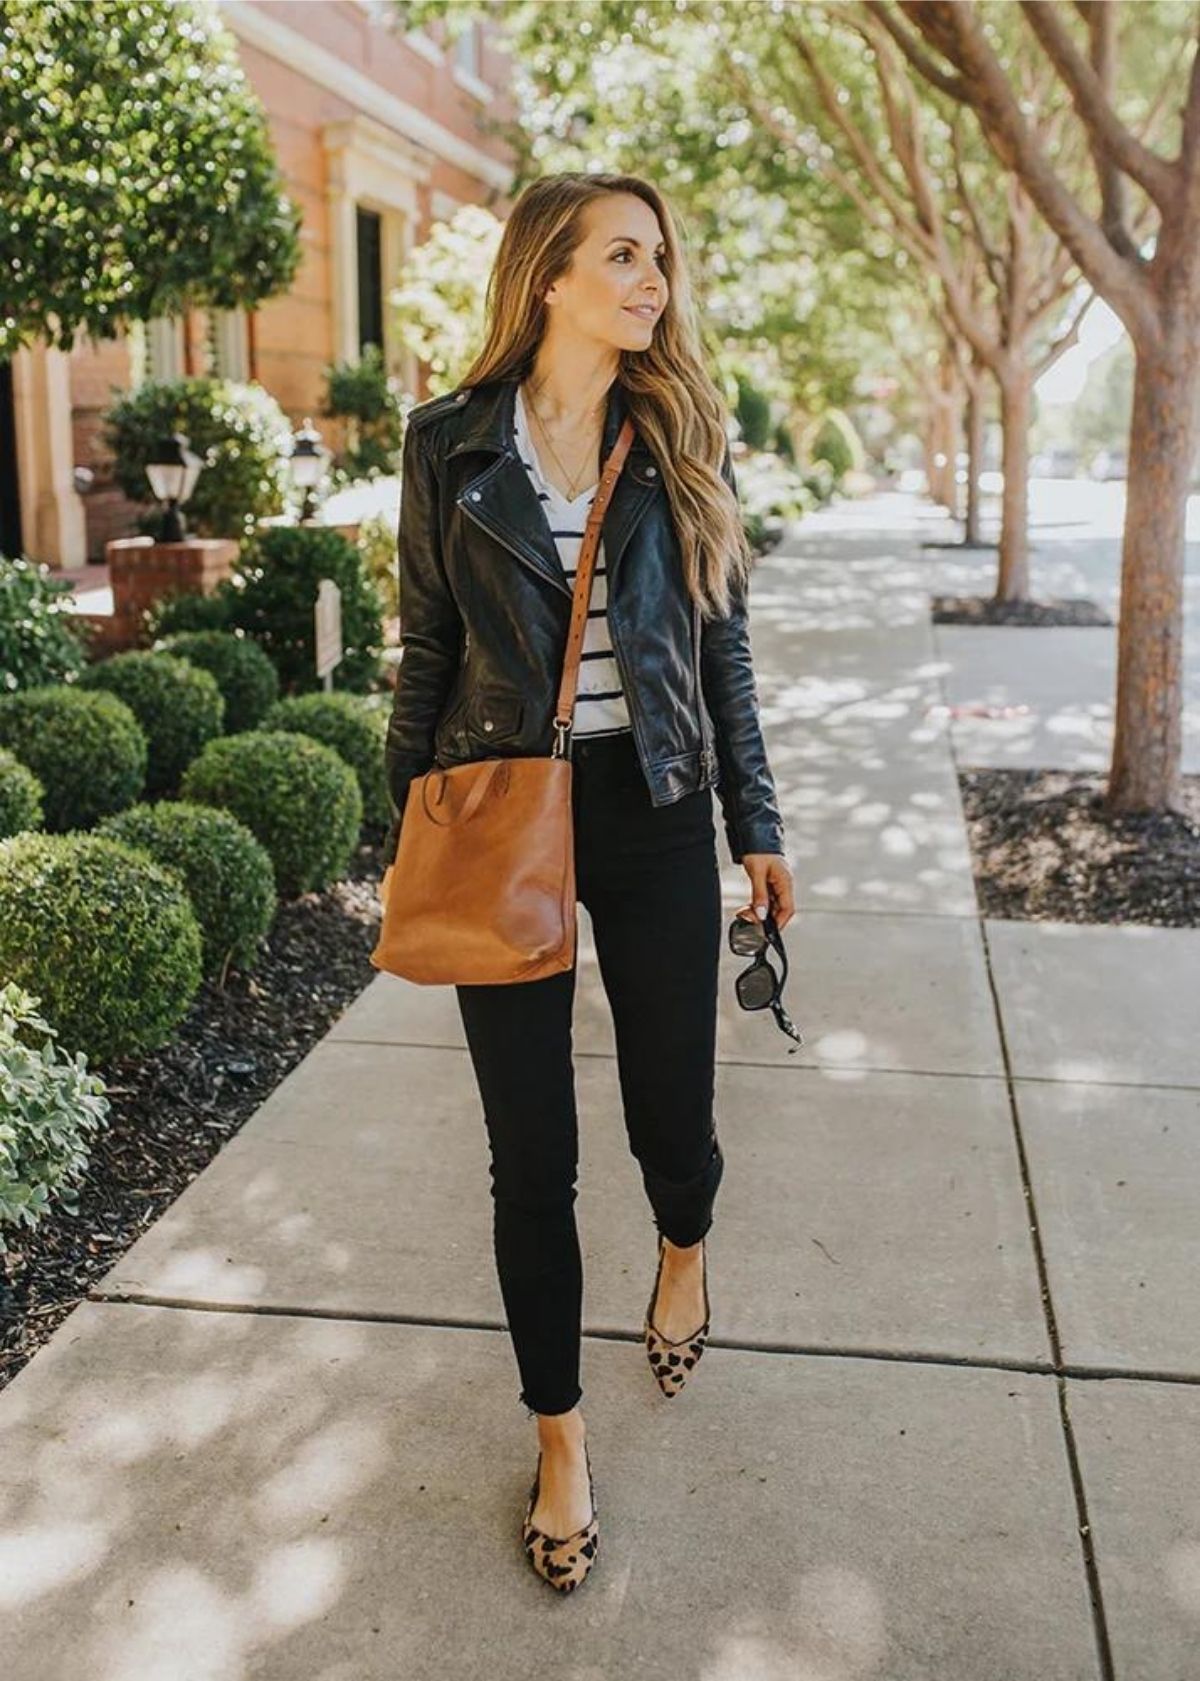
(485, 607)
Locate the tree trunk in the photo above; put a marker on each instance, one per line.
(928, 451)
(1148, 735)
(975, 425)
(1016, 388)
(945, 428)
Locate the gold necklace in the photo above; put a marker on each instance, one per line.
(572, 480)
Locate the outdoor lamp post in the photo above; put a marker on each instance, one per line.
(172, 470)
(306, 464)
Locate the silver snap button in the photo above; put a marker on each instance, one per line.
(650, 472)
(487, 724)
(476, 495)
(461, 398)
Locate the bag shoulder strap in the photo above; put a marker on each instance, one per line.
(564, 714)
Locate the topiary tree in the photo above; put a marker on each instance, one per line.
(41, 639)
(245, 676)
(103, 936)
(240, 431)
(51, 1105)
(227, 873)
(136, 171)
(295, 794)
(355, 733)
(367, 396)
(273, 595)
(86, 748)
(178, 706)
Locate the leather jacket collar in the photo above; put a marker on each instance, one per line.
(501, 498)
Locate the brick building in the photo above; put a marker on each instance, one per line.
(377, 135)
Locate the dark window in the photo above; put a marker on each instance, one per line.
(10, 501)
(370, 279)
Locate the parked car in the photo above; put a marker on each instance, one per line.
(1110, 464)
(1058, 462)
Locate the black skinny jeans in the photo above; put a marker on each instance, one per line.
(650, 879)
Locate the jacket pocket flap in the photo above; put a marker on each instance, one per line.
(495, 712)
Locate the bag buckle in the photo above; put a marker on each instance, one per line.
(561, 732)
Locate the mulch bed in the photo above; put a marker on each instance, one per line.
(172, 1110)
(1044, 848)
(986, 610)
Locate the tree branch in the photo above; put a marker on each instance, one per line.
(864, 154)
(1112, 142)
(956, 31)
(992, 254)
(1064, 341)
(916, 54)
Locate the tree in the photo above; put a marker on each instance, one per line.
(799, 304)
(136, 174)
(830, 82)
(954, 46)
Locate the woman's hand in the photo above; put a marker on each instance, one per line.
(771, 887)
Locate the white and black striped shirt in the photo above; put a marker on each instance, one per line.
(600, 707)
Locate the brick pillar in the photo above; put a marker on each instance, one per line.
(142, 571)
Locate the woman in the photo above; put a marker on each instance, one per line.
(589, 320)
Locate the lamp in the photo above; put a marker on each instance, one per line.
(306, 464)
(172, 470)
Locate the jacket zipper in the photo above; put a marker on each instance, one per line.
(501, 537)
(706, 752)
(628, 688)
(521, 554)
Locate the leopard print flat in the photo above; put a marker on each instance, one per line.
(673, 1362)
(563, 1563)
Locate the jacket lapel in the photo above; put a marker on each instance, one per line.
(502, 500)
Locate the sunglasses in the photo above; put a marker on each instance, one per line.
(759, 987)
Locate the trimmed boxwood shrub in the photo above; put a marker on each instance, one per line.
(48, 1104)
(273, 597)
(20, 796)
(185, 610)
(245, 676)
(228, 874)
(355, 734)
(105, 938)
(299, 798)
(41, 639)
(178, 706)
(86, 748)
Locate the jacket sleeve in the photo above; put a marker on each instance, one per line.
(431, 633)
(746, 788)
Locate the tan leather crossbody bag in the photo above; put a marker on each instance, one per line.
(482, 888)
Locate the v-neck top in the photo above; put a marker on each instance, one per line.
(600, 707)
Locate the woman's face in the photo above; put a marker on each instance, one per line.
(617, 267)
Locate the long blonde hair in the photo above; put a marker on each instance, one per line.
(671, 398)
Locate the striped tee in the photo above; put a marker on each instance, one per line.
(600, 707)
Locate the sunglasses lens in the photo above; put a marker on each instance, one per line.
(756, 989)
(746, 938)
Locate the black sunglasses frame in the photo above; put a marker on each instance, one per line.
(771, 939)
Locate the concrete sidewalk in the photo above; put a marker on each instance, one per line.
(945, 1428)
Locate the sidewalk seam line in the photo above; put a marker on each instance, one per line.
(792, 1067)
(1083, 1522)
(836, 1351)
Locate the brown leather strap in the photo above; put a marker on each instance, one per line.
(495, 769)
(565, 710)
